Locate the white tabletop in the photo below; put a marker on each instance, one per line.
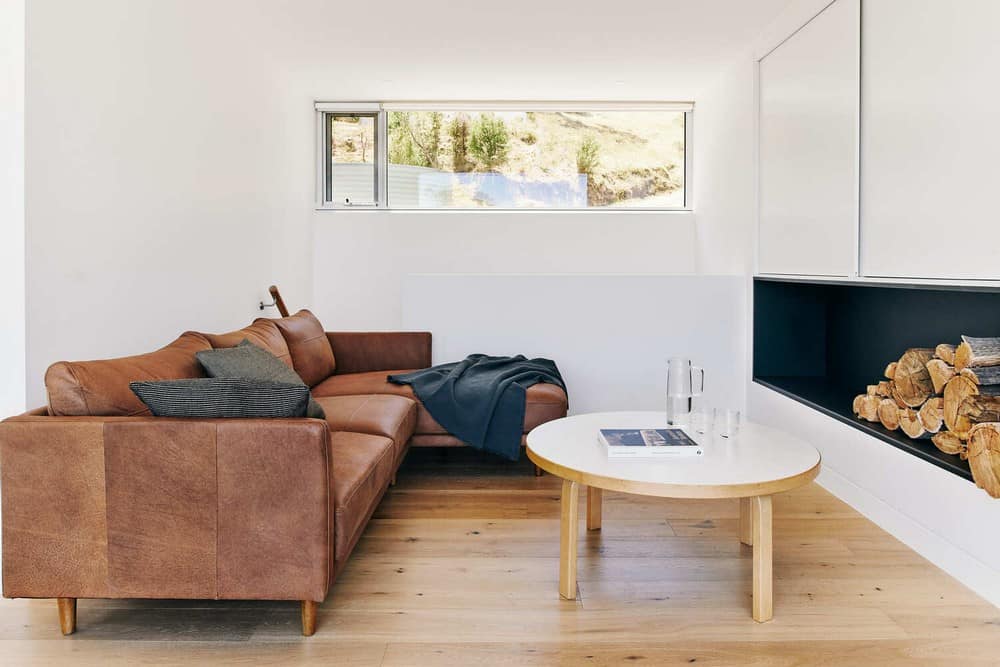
(758, 461)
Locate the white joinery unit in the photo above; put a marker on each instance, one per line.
(930, 139)
(808, 147)
(923, 176)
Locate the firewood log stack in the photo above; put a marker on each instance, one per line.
(950, 394)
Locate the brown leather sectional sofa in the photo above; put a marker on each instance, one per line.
(103, 500)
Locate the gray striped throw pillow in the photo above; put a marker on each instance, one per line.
(247, 360)
(222, 397)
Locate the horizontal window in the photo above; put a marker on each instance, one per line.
(541, 156)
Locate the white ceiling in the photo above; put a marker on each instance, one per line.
(412, 49)
(540, 49)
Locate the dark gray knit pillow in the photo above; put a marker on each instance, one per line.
(247, 360)
(222, 397)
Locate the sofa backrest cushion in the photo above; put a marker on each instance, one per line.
(101, 388)
(312, 356)
(263, 333)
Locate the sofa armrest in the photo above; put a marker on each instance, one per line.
(136, 507)
(364, 351)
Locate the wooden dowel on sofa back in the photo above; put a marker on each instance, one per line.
(278, 301)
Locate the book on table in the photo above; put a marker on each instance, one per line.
(624, 442)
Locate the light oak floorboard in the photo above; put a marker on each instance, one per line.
(460, 566)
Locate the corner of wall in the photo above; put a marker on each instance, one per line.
(12, 248)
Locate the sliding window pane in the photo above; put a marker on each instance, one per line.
(529, 159)
(351, 173)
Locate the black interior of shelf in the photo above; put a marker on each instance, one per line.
(822, 343)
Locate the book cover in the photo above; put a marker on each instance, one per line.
(647, 441)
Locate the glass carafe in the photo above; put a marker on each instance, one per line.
(684, 382)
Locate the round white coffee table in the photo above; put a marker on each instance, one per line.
(754, 465)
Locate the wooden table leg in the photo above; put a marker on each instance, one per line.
(569, 527)
(594, 502)
(746, 522)
(763, 604)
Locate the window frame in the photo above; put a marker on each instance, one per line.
(381, 110)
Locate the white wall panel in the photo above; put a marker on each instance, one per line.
(808, 97)
(363, 258)
(610, 335)
(930, 139)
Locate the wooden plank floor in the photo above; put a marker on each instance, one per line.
(459, 567)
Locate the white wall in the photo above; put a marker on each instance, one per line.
(158, 192)
(724, 170)
(12, 350)
(170, 154)
(363, 287)
(609, 335)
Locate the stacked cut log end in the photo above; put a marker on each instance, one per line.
(945, 353)
(912, 381)
(910, 424)
(940, 373)
(889, 413)
(932, 414)
(984, 456)
(949, 443)
(950, 394)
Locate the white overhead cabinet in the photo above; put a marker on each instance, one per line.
(930, 139)
(808, 147)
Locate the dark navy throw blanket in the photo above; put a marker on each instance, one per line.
(481, 399)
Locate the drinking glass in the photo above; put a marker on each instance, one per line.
(701, 417)
(727, 422)
(681, 388)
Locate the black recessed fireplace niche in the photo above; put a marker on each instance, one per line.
(821, 343)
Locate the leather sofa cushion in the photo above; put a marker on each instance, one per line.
(545, 402)
(100, 388)
(263, 333)
(363, 351)
(392, 417)
(361, 467)
(312, 355)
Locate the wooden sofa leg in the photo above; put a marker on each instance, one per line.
(67, 615)
(309, 617)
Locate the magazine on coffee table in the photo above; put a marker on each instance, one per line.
(625, 442)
